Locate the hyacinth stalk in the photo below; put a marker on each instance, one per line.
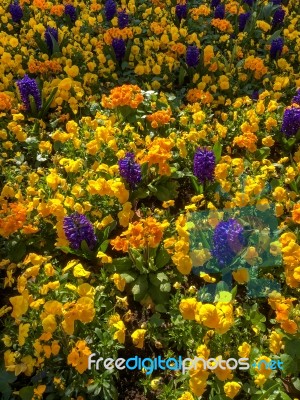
(130, 170)
(77, 229)
(30, 94)
(228, 241)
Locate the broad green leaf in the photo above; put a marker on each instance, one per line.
(26, 393)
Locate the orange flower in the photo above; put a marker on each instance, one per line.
(222, 24)
(14, 220)
(289, 326)
(79, 356)
(159, 152)
(296, 213)
(160, 118)
(5, 102)
(125, 95)
(116, 33)
(195, 95)
(57, 10)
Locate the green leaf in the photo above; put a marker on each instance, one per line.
(104, 245)
(119, 265)
(284, 396)
(26, 393)
(158, 279)
(48, 102)
(182, 75)
(160, 308)
(162, 258)
(296, 384)
(55, 45)
(129, 276)
(138, 259)
(234, 292)
(292, 347)
(32, 105)
(139, 288)
(223, 297)
(5, 379)
(289, 365)
(165, 287)
(217, 149)
(265, 396)
(17, 252)
(167, 190)
(41, 43)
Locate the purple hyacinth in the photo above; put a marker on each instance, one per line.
(130, 170)
(16, 12)
(215, 3)
(123, 19)
(28, 87)
(291, 121)
(243, 18)
(276, 48)
(276, 2)
(110, 9)
(228, 240)
(48, 33)
(71, 11)
(204, 165)
(220, 11)
(119, 48)
(249, 2)
(255, 95)
(278, 17)
(181, 11)
(192, 56)
(78, 228)
(296, 99)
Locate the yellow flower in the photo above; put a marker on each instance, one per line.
(207, 278)
(244, 350)
(187, 308)
(120, 333)
(80, 272)
(23, 333)
(49, 323)
(154, 384)
(275, 342)
(186, 396)
(231, 389)
(241, 275)
(119, 281)
(20, 306)
(39, 391)
(138, 337)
